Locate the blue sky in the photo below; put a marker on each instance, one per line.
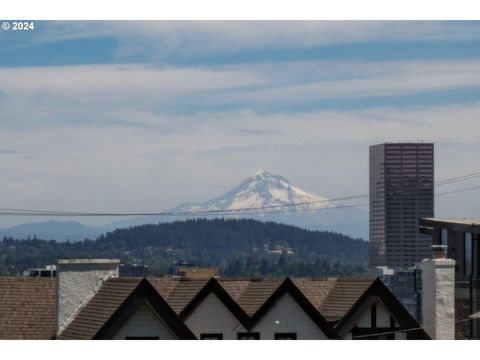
(146, 115)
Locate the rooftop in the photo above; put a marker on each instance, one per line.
(28, 305)
(332, 297)
(465, 224)
(87, 261)
(27, 308)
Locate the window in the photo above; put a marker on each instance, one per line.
(45, 273)
(216, 336)
(444, 237)
(142, 338)
(468, 254)
(285, 336)
(248, 336)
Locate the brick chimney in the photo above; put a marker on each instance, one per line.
(77, 281)
(438, 294)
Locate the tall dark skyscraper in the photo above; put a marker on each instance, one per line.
(401, 192)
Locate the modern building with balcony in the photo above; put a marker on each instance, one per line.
(462, 239)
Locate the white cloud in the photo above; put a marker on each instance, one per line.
(105, 168)
(134, 137)
(122, 78)
(397, 78)
(101, 167)
(139, 95)
(204, 37)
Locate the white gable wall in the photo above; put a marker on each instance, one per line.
(383, 319)
(212, 316)
(144, 322)
(286, 316)
(383, 316)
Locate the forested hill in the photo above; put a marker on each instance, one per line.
(237, 247)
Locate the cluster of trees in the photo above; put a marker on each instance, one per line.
(238, 247)
(286, 267)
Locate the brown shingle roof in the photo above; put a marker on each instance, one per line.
(316, 290)
(183, 292)
(27, 308)
(27, 305)
(333, 297)
(234, 287)
(163, 285)
(177, 293)
(115, 292)
(100, 308)
(343, 296)
(257, 292)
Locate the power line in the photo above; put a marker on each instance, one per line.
(21, 212)
(459, 190)
(300, 210)
(246, 210)
(406, 330)
(458, 178)
(70, 213)
(199, 213)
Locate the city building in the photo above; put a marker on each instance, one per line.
(406, 285)
(87, 300)
(47, 271)
(172, 270)
(197, 273)
(134, 270)
(191, 269)
(462, 240)
(401, 191)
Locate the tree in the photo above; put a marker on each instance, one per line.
(236, 247)
(282, 261)
(264, 267)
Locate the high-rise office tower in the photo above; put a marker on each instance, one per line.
(401, 192)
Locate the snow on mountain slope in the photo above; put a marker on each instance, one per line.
(260, 190)
(265, 189)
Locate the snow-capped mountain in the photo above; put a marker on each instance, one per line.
(264, 189)
(258, 191)
(266, 194)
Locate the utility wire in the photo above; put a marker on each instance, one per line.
(187, 212)
(246, 210)
(199, 213)
(458, 178)
(299, 210)
(406, 330)
(459, 190)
